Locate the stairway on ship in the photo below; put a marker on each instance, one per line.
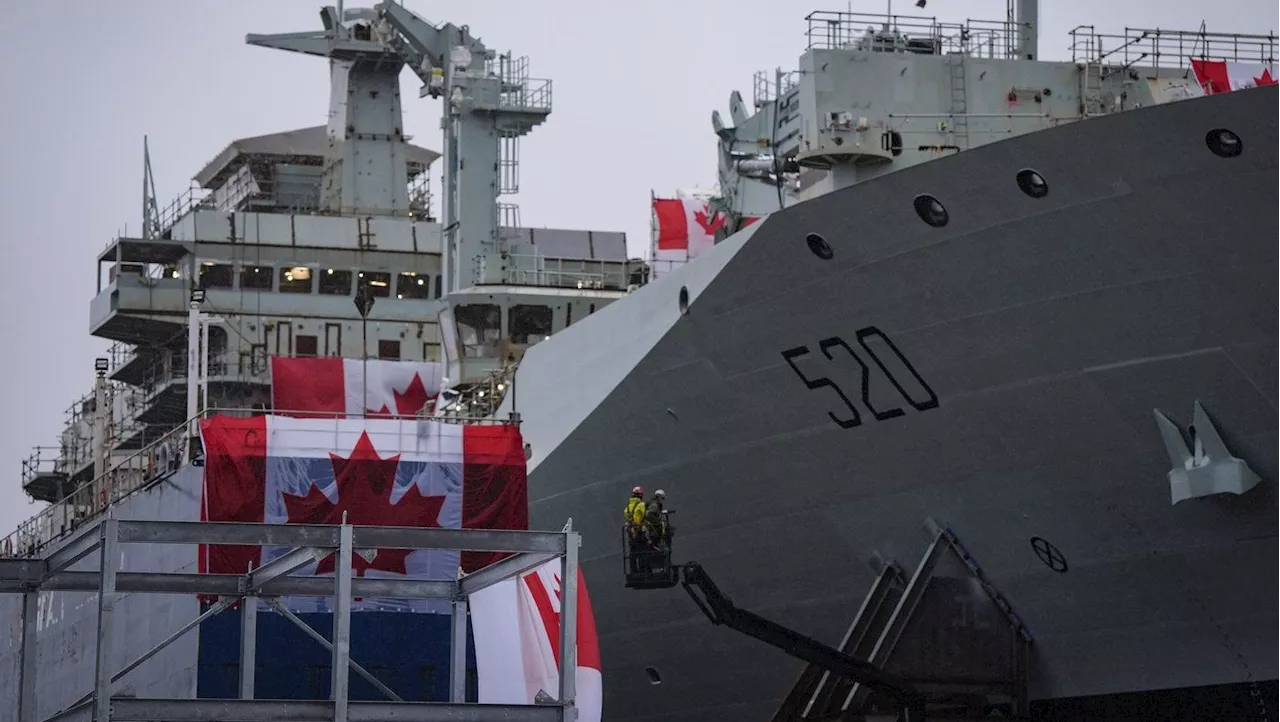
(945, 630)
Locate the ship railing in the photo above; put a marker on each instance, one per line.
(768, 86)
(1170, 49)
(841, 30)
(554, 272)
(153, 464)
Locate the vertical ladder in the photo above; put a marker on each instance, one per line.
(1091, 90)
(959, 101)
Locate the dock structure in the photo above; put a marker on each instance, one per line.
(266, 585)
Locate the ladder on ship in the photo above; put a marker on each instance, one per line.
(1091, 78)
(959, 100)
(946, 630)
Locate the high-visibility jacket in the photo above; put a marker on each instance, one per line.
(633, 515)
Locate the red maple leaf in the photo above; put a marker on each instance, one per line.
(1265, 78)
(709, 225)
(364, 482)
(408, 403)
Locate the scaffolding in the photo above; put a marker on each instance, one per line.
(308, 542)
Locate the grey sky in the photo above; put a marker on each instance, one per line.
(635, 84)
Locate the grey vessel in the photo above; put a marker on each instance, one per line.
(988, 298)
(1009, 342)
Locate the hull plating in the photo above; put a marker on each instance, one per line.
(1049, 329)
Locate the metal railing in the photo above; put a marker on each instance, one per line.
(1172, 49)
(767, 86)
(156, 462)
(554, 272)
(833, 30)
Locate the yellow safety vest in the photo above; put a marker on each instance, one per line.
(634, 513)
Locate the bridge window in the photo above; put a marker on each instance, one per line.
(430, 351)
(479, 329)
(415, 286)
(255, 278)
(306, 345)
(529, 324)
(295, 279)
(379, 283)
(216, 275)
(389, 349)
(439, 286)
(334, 282)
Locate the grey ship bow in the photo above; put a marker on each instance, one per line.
(1030, 304)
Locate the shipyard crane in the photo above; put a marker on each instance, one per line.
(488, 101)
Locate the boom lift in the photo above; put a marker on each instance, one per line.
(946, 638)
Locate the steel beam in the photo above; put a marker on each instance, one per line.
(342, 624)
(110, 557)
(458, 653)
(248, 645)
(27, 688)
(202, 710)
(326, 536)
(569, 620)
(231, 585)
(73, 551)
(83, 713)
(285, 564)
(499, 571)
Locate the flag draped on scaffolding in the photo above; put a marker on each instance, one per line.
(379, 472)
(517, 641)
(332, 387)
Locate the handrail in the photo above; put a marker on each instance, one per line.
(142, 470)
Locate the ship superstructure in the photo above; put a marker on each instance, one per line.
(280, 234)
(875, 93)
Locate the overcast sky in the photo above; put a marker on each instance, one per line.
(81, 82)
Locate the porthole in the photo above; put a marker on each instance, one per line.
(1224, 143)
(653, 676)
(1032, 183)
(931, 210)
(684, 300)
(819, 246)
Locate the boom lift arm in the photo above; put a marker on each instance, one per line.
(721, 610)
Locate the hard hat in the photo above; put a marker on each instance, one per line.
(659, 492)
(637, 490)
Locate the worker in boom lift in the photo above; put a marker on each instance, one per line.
(633, 522)
(655, 522)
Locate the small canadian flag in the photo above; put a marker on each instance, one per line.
(1220, 76)
(686, 226)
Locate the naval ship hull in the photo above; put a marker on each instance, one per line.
(1048, 330)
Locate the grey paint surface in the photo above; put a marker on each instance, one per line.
(1049, 329)
(68, 620)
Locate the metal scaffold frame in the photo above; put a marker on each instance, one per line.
(309, 542)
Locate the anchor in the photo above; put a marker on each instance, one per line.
(1210, 469)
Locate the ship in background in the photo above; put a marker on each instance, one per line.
(923, 326)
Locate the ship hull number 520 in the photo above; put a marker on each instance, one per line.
(921, 398)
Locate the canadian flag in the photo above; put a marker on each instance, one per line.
(686, 226)
(330, 386)
(1220, 76)
(516, 627)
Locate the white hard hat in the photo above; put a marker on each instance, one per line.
(659, 492)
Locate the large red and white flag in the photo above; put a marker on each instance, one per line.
(382, 472)
(329, 386)
(685, 227)
(516, 625)
(1220, 76)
